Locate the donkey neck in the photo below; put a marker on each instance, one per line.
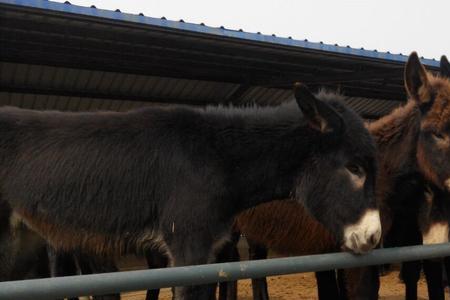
(264, 159)
(396, 136)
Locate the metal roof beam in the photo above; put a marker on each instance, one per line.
(96, 95)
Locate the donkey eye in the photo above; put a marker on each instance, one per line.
(438, 136)
(355, 169)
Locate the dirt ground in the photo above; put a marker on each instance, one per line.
(303, 286)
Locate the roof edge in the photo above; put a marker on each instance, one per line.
(221, 31)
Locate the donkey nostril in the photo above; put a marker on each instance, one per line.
(374, 239)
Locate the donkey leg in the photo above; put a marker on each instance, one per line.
(43, 264)
(199, 250)
(90, 264)
(155, 260)
(359, 283)
(229, 253)
(61, 264)
(433, 275)
(410, 273)
(327, 287)
(259, 285)
(447, 270)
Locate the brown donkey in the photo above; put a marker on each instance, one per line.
(414, 147)
(434, 218)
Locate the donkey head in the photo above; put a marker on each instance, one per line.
(432, 95)
(337, 184)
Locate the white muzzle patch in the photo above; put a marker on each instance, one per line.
(365, 234)
(436, 234)
(447, 184)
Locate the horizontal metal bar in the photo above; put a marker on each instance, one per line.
(108, 283)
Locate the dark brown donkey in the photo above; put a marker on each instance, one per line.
(433, 223)
(23, 253)
(176, 178)
(413, 148)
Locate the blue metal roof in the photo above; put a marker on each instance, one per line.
(221, 31)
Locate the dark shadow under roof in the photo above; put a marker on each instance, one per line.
(71, 54)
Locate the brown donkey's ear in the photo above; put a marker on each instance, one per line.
(416, 80)
(320, 116)
(445, 67)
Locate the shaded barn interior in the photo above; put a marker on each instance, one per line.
(67, 57)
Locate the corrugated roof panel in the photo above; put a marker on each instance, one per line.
(82, 79)
(5, 72)
(106, 81)
(372, 107)
(84, 104)
(202, 29)
(215, 91)
(189, 90)
(95, 104)
(125, 105)
(138, 86)
(59, 78)
(127, 84)
(262, 96)
(96, 81)
(247, 95)
(253, 94)
(60, 103)
(73, 104)
(201, 89)
(51, 102)
(20, 72)
(283, 96)
(48, 76)
(28, 101)
(179, 87)
(115, 105)
(67, 82)
(148, 85)
(40, 102)
(4, 99)
(34, 75)
(118, 81)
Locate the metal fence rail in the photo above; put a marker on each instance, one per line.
(107, 283)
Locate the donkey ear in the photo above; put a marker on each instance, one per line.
(445, 67)
(416, 80)
(320, 116)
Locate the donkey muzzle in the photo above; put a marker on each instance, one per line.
(364, 235)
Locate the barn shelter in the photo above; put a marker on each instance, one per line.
(68, 57)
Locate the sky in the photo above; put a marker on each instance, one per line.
(398, 26)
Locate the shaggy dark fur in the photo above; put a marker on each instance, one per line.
(175, 178)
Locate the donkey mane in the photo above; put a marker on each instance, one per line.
(286, 111)
(388, 129)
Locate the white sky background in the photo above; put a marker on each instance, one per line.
(399, 26)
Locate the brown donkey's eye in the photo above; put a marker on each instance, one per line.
(438, 136)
